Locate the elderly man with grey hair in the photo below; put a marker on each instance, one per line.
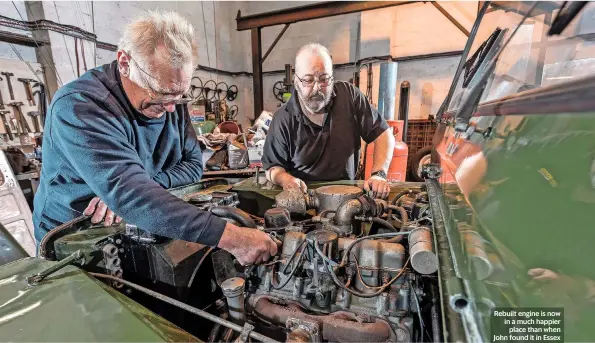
(317, 135)
(119, 135)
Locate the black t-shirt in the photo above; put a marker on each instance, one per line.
(323, 153)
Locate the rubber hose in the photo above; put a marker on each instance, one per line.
(393, 202)
(384, 224)
(235, 214)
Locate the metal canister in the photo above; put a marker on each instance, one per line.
(421, 251)
(233, 290)
(476, 252)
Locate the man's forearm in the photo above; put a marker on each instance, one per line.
(383, 151)
(182, 174)
(277, 175)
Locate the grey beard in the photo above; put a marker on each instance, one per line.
(314, 106)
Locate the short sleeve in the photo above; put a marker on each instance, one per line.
(276, 148)
(371, 122)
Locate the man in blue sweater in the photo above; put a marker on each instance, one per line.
(118, 136)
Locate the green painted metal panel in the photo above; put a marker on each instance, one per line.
(70, 306)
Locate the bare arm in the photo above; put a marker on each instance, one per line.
(383, 154)
(383, 151)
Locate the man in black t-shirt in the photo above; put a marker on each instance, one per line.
(317, 135)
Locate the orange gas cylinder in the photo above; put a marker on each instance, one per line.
(397, 171)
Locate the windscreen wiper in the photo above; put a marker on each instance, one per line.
(472, 65)
(471, 101)
(568, 11)
(469, 104)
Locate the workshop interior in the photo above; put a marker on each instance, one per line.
(492, 177)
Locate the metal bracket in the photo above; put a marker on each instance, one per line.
(245, 334)
(35, 279)
(309, 328)
(431, 171)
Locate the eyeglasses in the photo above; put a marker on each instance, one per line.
(309, 81)
(156, 97)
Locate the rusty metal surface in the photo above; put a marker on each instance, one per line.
(294, 201)
(336, 327)
(302, 331)
(346, 211)
(374, 255)
(291, 242)
(328, 198)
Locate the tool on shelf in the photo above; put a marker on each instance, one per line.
(10, 90)
(5, 123)
(23, 126)
(34, 117)
(28, 89)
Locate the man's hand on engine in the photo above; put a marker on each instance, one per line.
(294, 183)
(378, 187)
(249, 246)
(99, 210)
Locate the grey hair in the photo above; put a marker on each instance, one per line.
(314, 48)
(152, 29)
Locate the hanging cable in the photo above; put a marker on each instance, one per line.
(295, 267)
(343, 286)
(51, 65)
(23, 60)
(80, 19)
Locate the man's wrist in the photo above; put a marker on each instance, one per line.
(227, 238)
(380, 173)
(285, 179)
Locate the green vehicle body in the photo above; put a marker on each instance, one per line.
(71, 306)
(523, 198)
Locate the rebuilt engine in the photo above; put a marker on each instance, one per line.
(332, 280)
(351, 268)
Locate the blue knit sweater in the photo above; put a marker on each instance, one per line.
(96, 144)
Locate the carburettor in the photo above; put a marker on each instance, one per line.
(328, 271)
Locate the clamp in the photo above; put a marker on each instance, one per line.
(245, 334)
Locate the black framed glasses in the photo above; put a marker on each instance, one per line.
(309, 81)
(156, 97)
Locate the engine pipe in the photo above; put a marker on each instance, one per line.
(385, 224)
(347, 211)
(235, 214)
(334, 327)
(351, 208)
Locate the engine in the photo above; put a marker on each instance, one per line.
(350, 268)
(337, 278)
